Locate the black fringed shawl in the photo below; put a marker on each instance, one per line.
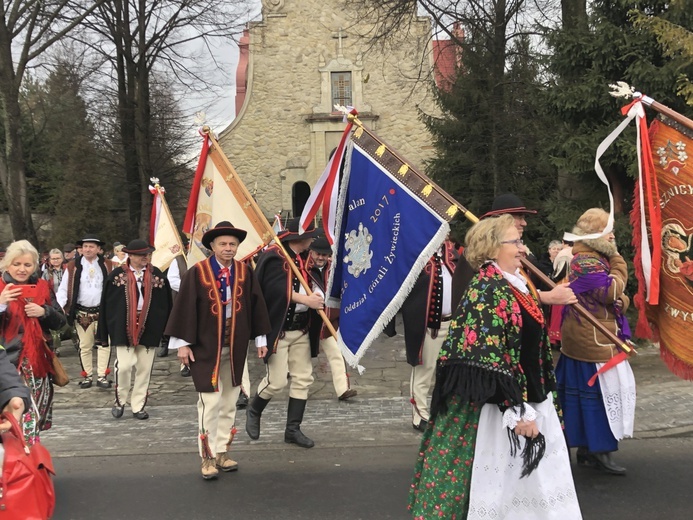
(480, 361)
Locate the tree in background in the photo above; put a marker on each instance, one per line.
(140, 41)
(676, 40)
(490, 135)
(28, 28)
(65, 174)
(584, 60)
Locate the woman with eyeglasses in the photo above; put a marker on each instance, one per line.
(494, 447)
(596, 417)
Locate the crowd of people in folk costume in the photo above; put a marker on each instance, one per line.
(479, 332)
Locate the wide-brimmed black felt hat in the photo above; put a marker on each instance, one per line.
(291, 232)
(138, 247)
(508, 203)
(321, 245)
(223, 228)
(91, 238)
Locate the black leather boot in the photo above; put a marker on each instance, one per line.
(294, 417)
(253, 413)
(605, 463)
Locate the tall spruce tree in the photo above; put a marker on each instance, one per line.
(65, 175)
(585, 60)
(489, 138)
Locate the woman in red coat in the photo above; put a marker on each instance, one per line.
(28, 312)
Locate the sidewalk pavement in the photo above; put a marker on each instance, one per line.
(379, 415)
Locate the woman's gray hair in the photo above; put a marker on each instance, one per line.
(17, 249)
(56, 251)
(483, 240)
(555, 243)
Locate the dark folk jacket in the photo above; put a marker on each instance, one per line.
(117, 310)
(198, 317)
(276, 280)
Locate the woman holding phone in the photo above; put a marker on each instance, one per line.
(28, 311)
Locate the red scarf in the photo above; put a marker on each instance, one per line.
(135, 326)
(34, 347)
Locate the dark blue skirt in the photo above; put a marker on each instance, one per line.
(586, 423)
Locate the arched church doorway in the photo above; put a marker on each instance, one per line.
(300, 192)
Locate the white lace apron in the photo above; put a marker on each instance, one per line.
(497, 492)
(618, 393)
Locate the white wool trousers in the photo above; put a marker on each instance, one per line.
(141, 360)
(423, 375)
(216, 411)
(292, 356)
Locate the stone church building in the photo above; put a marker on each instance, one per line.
(296, 63)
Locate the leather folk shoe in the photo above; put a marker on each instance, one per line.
(117, 411)
(348, 394)
(584, 457)
(605, 463)
(421, 426)
(209, 469)
(242, 401)
(141, 415)
(224, 463)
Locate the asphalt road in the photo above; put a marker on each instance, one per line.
(340, 484)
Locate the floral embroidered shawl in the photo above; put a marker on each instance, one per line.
(480, 359)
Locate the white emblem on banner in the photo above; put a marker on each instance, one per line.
(358, 251)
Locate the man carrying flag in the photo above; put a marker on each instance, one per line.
(426, 315)
(289, 346)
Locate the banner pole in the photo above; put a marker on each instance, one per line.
(525, 262)
(269, 230)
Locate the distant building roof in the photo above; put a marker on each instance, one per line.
(447, 58)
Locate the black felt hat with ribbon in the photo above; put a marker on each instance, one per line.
(508, 203)
(223, 228)
(321, 245)
(291, 232)
(91, 238)
(138, 247)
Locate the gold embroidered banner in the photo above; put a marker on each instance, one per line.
(673, 317)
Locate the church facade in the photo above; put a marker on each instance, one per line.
(297, 62)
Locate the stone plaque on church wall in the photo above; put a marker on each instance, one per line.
(286, 127)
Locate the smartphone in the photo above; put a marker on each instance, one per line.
(29, 291)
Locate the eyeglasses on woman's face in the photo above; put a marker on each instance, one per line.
(517, 242)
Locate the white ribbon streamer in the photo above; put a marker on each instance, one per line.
(603, 147)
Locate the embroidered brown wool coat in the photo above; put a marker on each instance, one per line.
(198, 318)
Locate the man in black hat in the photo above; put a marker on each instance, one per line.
(219, 308)
(80, 296)
(511, 204)
(426, 315)
(69, 251)
(319, 271)
(289, 346)
(135, 305)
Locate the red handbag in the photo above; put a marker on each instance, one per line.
(26, 485)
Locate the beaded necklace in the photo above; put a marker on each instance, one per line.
(529, 304)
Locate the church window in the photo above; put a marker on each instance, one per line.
(341, 88)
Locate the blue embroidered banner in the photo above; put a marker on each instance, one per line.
(385, 233)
